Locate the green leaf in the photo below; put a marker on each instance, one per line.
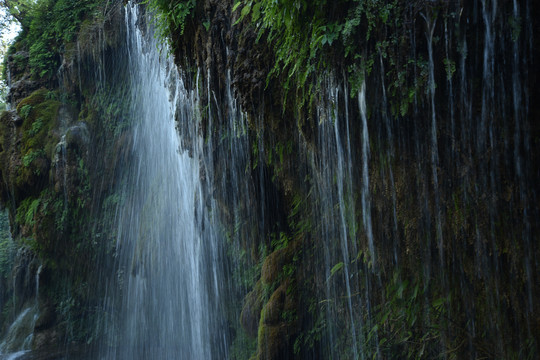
(236, 5)
(336, 268)
(256, 12)
(438, 303)
(245, 10)
(385, 317)
(373, 331)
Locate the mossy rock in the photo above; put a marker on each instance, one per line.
(8, 118)
(78, 138)
(273, 342)
(46, 318)
(279, 325)
(46, 229)
(282, 305)
(275, 262)
(10, 159)
(37, 97)
(251, 311)
(271, 314)
(39, 112)
(33, 172)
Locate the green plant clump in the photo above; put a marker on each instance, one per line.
(170, 15)
(47, 25)
(299, 32)
(26, 212)
(310, 37)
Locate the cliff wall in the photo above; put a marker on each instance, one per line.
(373, 165)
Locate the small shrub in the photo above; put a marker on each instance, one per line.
(25, 111)
(170, 15)
(27, 211)
(31, 156)
(36, 127)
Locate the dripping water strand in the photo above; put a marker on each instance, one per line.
(345, 210)
(366, 204)
(390, 155)
(518, 159)
(434, 143)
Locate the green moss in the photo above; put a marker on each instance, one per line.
(271, 313)
(273, 264)
(35, 98)
(272, 342)
(40, 115)
(251, 311)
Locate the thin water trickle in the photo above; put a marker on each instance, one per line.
(390, 153)
(519, 141)
(346, 212)
(335, 214)
(431, 23)
(488, 69)
(450, 82)
(366, 202)
(16, 355)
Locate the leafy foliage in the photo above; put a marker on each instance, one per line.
(26, 212)
(348, 35)
(401, 321)
(279, 241)
(31, 156)
(170, 15)
(298, 30)
(25, 111)
(15, 9)
(47, 25)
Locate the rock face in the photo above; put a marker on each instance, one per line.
(50, 165)
(436, 133)
(392, 222)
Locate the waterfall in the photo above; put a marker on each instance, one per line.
(19, 337)
(167, 254)
(387, 213)
(332, 168)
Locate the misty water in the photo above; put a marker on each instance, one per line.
(168, 255)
